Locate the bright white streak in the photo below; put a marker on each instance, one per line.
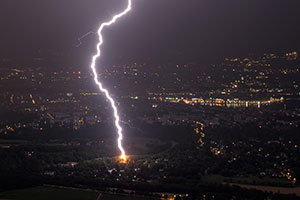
(105, 91)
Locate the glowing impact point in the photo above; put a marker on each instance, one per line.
(123, 156)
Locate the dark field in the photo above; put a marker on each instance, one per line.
(50, 193)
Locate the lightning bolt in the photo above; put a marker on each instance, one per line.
(84, 36)
(102, 89)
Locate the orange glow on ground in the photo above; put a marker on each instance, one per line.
(123, 159)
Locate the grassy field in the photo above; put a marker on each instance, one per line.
(6, 144)
(50, 193)
(119, 197)
(217, 179)
(280, 190)
(3, 141)
(47, 193)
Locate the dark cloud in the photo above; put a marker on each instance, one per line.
(155, 28)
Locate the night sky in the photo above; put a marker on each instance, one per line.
(203, 29)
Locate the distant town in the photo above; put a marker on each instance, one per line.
(232, 122)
